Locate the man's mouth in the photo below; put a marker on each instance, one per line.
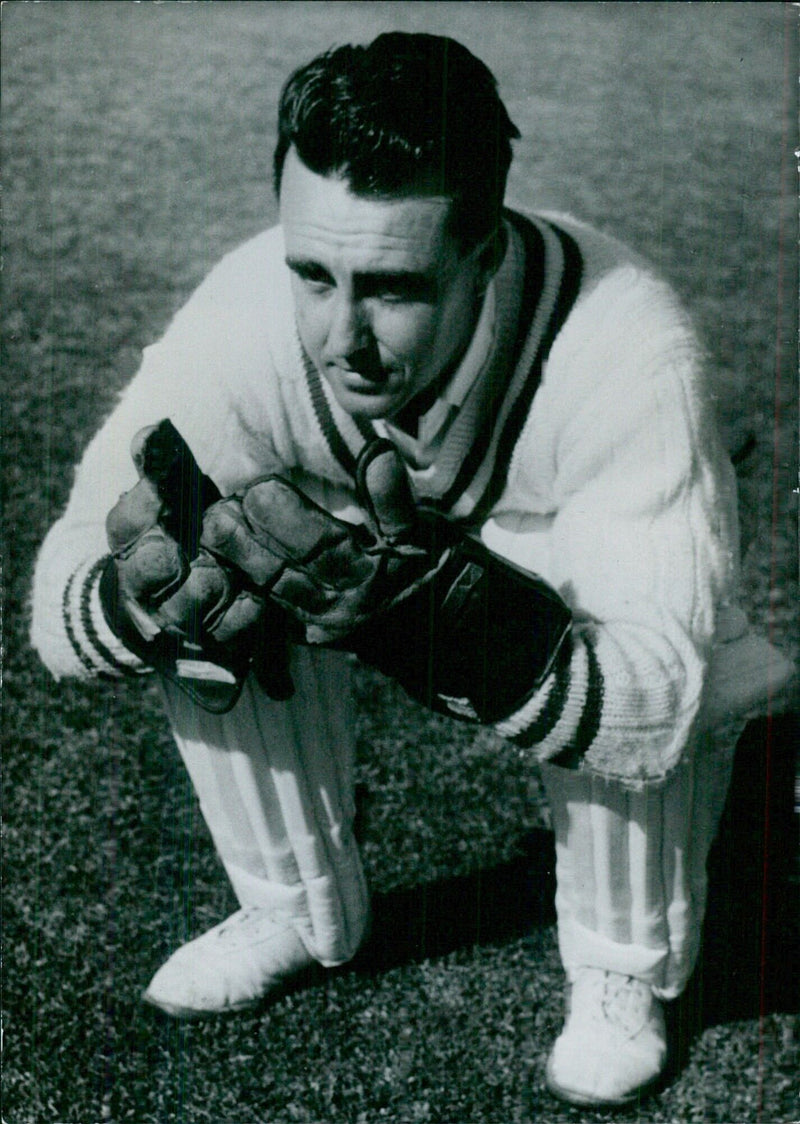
(374, 381)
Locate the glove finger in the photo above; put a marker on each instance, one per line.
(241, 615)
(140, 442)
(228, 535)
(322, 553)
(134, 513)
(309, 600)
(152, 569)
(292, 525)
(384, 491)
(200, 601)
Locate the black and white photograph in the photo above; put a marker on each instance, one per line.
(400, 638)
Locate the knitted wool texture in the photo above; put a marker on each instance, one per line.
(615, 489)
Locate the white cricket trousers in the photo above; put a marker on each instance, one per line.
(275, 785)
(631, 880)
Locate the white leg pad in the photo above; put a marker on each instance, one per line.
(631, 865)
(274, 781)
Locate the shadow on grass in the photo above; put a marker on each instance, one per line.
(751, 942)
(748, 967)
(491, 906)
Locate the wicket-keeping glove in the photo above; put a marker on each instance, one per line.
(464, 631)
(329, 575)
(182, 611)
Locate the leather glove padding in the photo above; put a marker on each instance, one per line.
(464, 631)
(210, 670)
(475, 641)
(169, 600)
(330, 575)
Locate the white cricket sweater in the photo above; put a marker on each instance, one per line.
(586, 453)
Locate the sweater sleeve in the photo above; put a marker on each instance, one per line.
(215, 360)
(638, 533)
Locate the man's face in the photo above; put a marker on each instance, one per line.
(385, 300)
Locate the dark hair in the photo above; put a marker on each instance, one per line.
(405, 114)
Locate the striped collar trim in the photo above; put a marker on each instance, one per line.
(536, 289)
(563, 272)
(553, 270)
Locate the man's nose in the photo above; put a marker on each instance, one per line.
(349, 331)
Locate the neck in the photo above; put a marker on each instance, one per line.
(407, 418)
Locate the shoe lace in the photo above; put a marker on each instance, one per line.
(625, 1002)
(242, 920)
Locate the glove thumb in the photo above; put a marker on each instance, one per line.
(163, 458)
(384, 492)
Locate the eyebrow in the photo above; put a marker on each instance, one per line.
(412, 281)
(305, 265)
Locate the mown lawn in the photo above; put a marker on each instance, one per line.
(136, 146)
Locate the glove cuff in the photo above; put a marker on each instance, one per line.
(116, 617)
(476, 641)
(211, 685)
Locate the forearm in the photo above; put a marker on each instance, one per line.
(643, 585)
(68, 627)
(621, 701)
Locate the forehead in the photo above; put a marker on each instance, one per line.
(323, 221)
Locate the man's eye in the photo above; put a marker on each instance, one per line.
(402, 291)
(311, 276)
(409, 289)
(316, 284)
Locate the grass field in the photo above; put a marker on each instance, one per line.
(136, 146)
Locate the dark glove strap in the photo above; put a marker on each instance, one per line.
(117, 618)
(477, 640)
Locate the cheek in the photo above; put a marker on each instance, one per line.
(407, 333)
(440, 332)
(309, 318)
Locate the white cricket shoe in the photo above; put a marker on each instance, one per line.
(232, 967)
(613, 1045)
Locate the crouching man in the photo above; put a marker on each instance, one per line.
(472, 446)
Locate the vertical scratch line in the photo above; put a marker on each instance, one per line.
(773, 548)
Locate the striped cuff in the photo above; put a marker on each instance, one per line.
(96, 647)
(562, 719)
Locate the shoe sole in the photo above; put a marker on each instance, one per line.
(583, 1100)
(297, 981)
(192, 1014)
